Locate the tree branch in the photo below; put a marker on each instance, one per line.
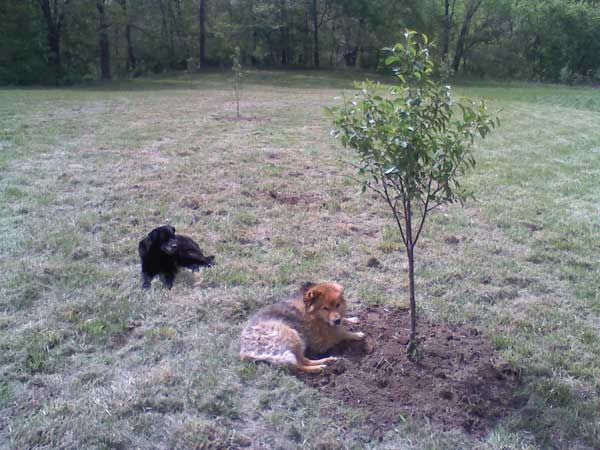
(392, 205)
(325, 12)
(424, 212)
(434, 206)
(452, 9)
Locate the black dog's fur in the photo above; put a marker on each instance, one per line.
(162, 253)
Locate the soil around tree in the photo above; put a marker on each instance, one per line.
(460, 382)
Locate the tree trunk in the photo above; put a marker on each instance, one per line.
(131, 61)
(305, 40)
(53, 28)
(178, 25)
(464, 31)
(460, 46)
(361, 36)
(447, 26)
(252, 18)
(315, 33)
(411, 273)
(283, 33)
(167, 33)
(202, 23)
(103, 42)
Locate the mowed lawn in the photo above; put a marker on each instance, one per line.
(89, 361)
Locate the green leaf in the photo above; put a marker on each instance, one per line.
(391, 60)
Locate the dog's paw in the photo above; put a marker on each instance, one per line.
(359, 336)
(351, 320)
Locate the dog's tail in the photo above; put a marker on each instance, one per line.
(287, 358)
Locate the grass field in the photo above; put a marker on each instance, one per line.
(89, 361)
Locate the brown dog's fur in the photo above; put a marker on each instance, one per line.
(283, 332)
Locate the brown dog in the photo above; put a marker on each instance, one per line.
(283, 332)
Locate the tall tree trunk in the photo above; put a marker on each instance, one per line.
(179, 25)
(361, 36)
(447, 27)
(315, 24)
(103, 42)
(53, 29)
(202, 23)
(167, 33)
(305, 40)
(472, 8)
(460, 46)
(131, 61)
(411, 272)
(252, 18)
(283, 33)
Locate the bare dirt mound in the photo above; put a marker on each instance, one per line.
(460, 382)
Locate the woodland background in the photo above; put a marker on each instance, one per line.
(69, 41)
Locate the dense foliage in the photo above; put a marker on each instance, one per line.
(413, 143)
(51, 41)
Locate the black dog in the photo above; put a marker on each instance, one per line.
(162, 253)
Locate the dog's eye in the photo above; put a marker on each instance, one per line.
(325, 308)
(337, 306)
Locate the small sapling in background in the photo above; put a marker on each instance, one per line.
(237, 78)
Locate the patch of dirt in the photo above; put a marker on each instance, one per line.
(191, 203)
(518, 281)
(374, 263)
(494, 296)
(532, 226)
(291, 198)
(461, 382)
(452, 240)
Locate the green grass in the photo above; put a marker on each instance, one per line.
(88, 360)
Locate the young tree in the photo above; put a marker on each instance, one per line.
(237, 77)
(413, 144)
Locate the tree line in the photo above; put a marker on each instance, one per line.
(67, 41)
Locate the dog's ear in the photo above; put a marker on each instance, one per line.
(153, 236)
(144, 247)
(306, 286)
(171, 229)
(310, 298)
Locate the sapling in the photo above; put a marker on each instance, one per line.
(237, 78)
(413, 144)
